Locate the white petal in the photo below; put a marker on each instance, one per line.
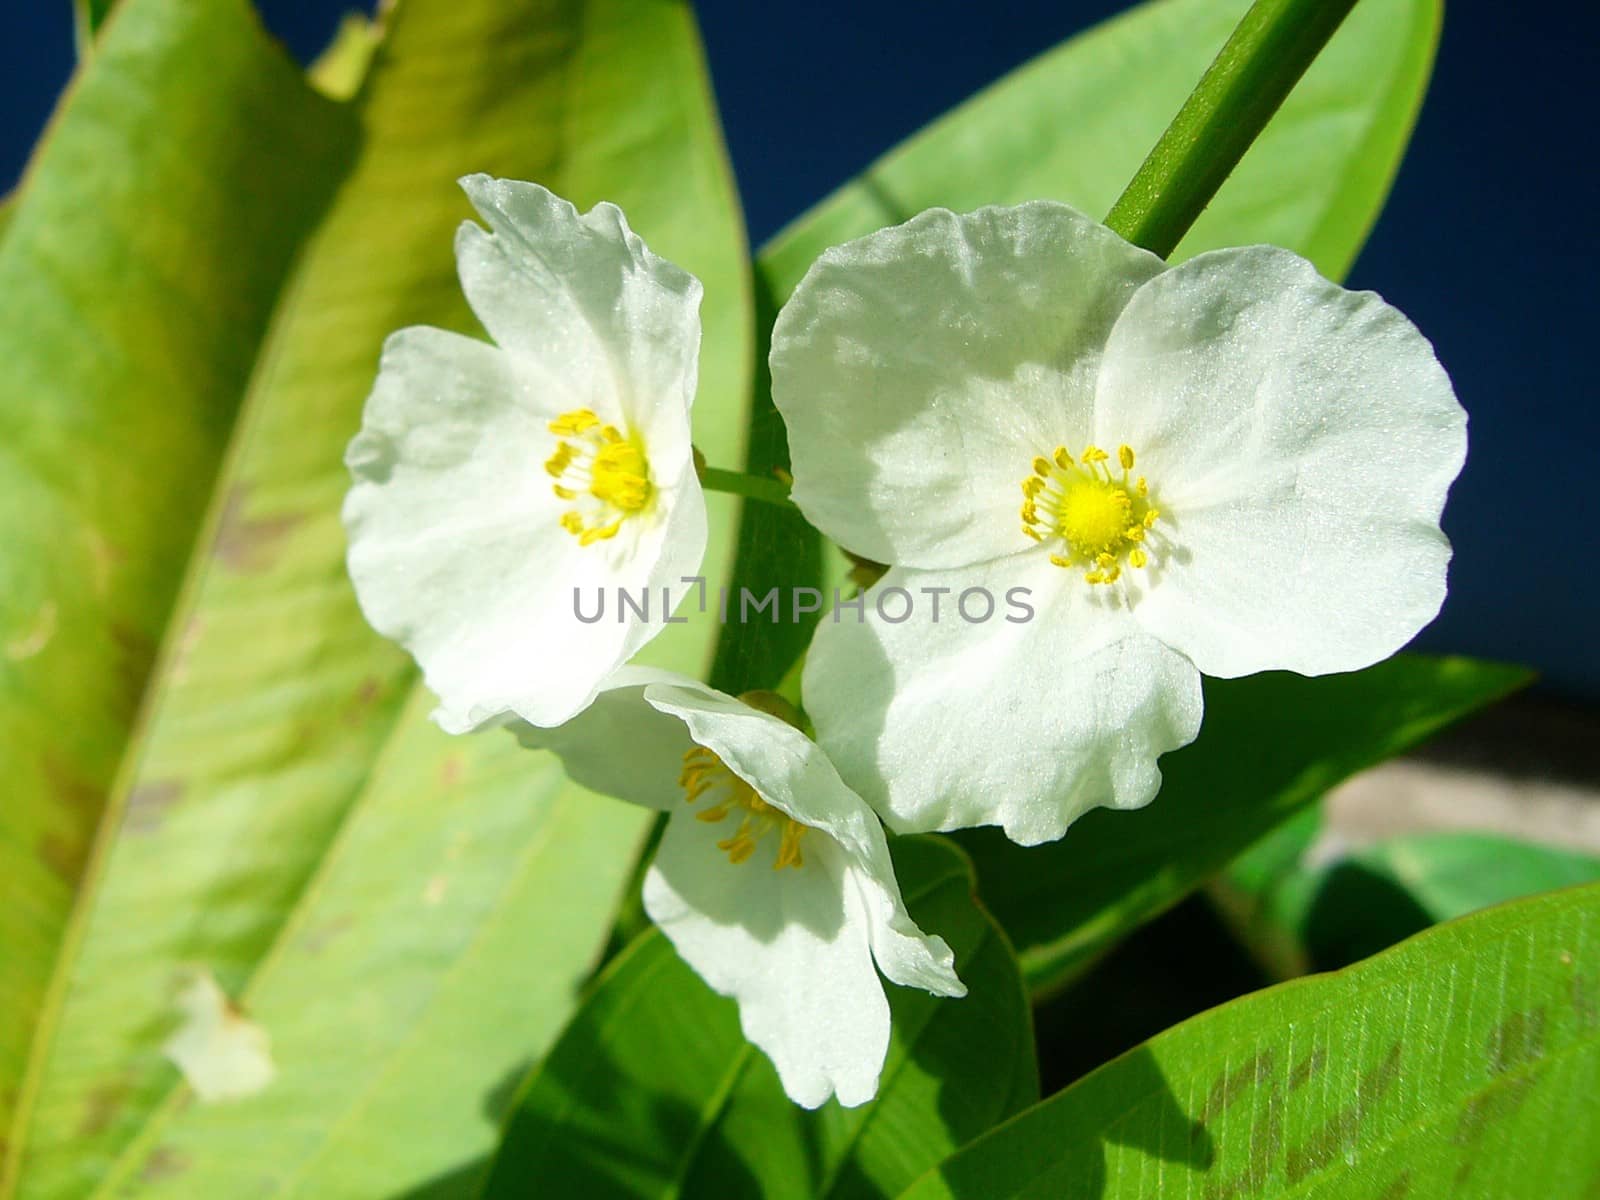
(790, 946)
(583, 301)
(620, 746)
(456, 550)
(1025, 724)
(921, 368)
(792, 773)
(1300, 440)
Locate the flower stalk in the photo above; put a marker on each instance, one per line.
(1246, 83)
(751, 487)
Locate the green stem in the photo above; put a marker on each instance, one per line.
(751, 487)
(1241, 89)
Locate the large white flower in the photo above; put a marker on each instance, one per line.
(773, 878)
(1227, 466)
(493, 483)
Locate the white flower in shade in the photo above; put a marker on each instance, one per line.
(1227, 466)
(773, 878)
(491, 481)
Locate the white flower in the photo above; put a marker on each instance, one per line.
(773, 878)
(1226, 467)
(492, 481)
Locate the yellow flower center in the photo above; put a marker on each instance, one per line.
(1099, 519)
(704, 772)
(605, 471)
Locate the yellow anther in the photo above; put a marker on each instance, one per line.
(704, 771)
(602, 470)
(1099, 518)
(571, 424)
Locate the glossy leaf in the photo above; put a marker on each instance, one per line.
(1303, 917)
(1462, 1063)
(1075, 124)
(1271, 745)
(142, 262)
(653, 1091)
(408, 916)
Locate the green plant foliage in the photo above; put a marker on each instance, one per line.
(88, 16)
(1300, 918)
(653, 1091)
(1436, 1069)
(407, 915)
(1271, 744)
(130, 315)
(1074, 125)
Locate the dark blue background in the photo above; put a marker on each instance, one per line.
(1488, 242)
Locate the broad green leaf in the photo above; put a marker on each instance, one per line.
(653, 1091)
(407, 915)
(342, 66)
(1462, 1063)
(1074, 125)
(137, 276)
(1303, 918)
(88, 16)
(1270, 745)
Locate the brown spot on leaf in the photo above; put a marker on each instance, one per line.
(316, 940)
(1307, 1068)
(451, 771)
(1230, 1085)
(365, 698)
(249, 544)
(135, 653)
(1516, 1040)
(164, 1163)
(1339, 1132)
(71, 789)
(1583, 1002)
(101, 1107)
(148, 804)
(1495, 1103)
(64, 856)
(1399, 1189)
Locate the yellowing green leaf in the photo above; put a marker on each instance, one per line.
(1462, 1063)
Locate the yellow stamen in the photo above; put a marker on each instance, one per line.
(1099, 518)
(702, 772)
(603, 470)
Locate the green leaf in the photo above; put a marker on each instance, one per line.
(1462, 1063)
(1302, 918)
(1270, 745)
(407, 915)
(1074, 125)
(653, 1091)
(89, 16)
(137, 276)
